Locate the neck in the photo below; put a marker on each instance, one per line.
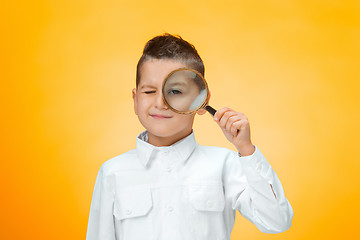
(167, 141)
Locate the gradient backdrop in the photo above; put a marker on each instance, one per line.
(68, 67)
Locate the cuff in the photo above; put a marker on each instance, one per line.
(257, 165)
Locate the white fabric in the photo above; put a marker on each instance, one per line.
(184, 192)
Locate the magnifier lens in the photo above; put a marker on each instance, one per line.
(185, 90)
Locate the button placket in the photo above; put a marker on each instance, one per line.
(167, 160)
(166, 153)
(170, 208)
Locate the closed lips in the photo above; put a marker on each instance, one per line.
(159, 116)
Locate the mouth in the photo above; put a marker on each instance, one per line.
(159, 116)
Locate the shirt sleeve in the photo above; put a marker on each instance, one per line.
(253, 188)
(101, 221)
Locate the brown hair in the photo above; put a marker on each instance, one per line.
(171, 47)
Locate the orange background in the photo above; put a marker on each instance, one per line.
(68, 67)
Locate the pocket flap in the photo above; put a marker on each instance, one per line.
(132, 203)
(207, 197)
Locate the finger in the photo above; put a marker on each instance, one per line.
(239, 125)
(223, 120)
(220, 112)
(235, 128)
(230, 121)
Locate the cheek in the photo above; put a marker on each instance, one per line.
(185, 118)
(142, 103)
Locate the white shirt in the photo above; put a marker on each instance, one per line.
(184, 192)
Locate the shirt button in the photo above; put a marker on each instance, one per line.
(128, 212)
(170, 208)
(168, 169)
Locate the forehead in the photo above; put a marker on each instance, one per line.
(154, 71)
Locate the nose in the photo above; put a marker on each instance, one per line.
(159, 102)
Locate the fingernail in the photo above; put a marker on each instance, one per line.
(215, 118)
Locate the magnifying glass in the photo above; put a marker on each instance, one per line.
(185, 91)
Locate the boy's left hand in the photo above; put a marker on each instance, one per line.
(230, 121)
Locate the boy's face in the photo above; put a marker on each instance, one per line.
(154, 115)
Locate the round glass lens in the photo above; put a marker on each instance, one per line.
(185, 90)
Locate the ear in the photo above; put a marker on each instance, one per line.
(208, 98)
(134, 99)
(201, 111)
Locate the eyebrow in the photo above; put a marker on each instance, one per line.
(147, 86)
(181, 83)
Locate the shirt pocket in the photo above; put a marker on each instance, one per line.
(207, 217)
(132, 203)
(132, 213)
(207, 197)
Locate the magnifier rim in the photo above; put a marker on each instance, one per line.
(203, 104)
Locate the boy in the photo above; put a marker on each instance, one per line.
(170, 187)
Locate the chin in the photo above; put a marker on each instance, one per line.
(162, 132)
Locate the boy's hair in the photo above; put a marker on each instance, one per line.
(170, 47)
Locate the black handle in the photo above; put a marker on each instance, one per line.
(211, 110)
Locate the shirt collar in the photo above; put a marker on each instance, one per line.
(147, 151)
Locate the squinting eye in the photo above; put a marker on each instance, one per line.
(148, 92)
(174, 91)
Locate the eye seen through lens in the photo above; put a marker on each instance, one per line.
(185, 90)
